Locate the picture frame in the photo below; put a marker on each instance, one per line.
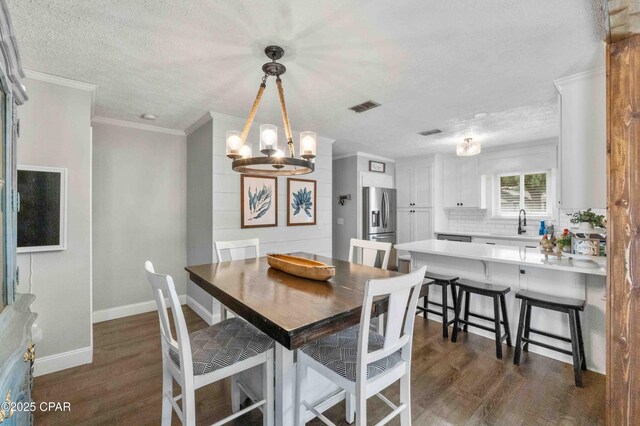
(302, 197)
(377, 166)
(42, 219)
(258, 201)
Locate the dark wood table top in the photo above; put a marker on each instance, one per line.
(291, 310)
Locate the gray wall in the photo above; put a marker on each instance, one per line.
(199, 206)
(345, 182)
(139, 212)
(218, 218)
(56, 132)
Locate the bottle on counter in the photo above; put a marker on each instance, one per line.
(543, 228)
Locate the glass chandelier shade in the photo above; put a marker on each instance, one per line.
(277, 161)
(468, 148)
(308, 145)
(268, 139)
(234, 144)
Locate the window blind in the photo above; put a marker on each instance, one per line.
(510, 194)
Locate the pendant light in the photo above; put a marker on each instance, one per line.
(468, 148)
(274, 161)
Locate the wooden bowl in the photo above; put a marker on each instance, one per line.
(301, 267)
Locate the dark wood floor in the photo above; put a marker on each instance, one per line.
(452, 383)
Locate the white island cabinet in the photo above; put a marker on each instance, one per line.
(523, 268)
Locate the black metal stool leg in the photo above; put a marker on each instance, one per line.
(454, 296)
(467, 302)
(425, 303)
(575, 348)
(518, 351)
(458, 308)
(445, 312)
(496, 313)
(583, 365)
(527, 326)
(505, 318)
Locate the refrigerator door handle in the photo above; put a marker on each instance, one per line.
(385, 202)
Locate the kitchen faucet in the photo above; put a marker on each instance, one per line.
(522, 221)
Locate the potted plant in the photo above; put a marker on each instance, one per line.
(564, 241)
(587, 220)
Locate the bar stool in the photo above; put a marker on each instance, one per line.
(497, 292)
(559, 304)
(444, 281)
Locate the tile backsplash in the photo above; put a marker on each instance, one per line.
(476, 220)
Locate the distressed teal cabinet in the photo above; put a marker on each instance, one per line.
(16, 351)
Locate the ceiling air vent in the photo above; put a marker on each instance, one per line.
(430, 132)
(365, 106)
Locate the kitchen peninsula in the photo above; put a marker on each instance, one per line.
(524, 268)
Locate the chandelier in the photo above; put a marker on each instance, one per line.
(274, 161)
(468, 148)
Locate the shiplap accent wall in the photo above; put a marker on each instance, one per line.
(224, 218)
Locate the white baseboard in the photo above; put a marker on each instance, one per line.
(128, 310)
(57, 362)
(209, 317)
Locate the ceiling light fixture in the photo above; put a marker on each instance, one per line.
(274, 162)
(468, 148)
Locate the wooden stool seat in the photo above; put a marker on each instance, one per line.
(560, 304)
(443, 281)
(497, 293)
(450, 279)
(485, 289)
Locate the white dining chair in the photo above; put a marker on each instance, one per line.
(208, 355)
(363, 362)
(227, 251)
(369, 251)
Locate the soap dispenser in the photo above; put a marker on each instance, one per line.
(543, 228)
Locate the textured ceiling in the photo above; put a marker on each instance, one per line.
(430, 64)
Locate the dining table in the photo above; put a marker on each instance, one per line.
(293, 311)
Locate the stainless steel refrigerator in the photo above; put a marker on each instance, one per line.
(379, 217)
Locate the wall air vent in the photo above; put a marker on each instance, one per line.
(365, 106)
(430, 132)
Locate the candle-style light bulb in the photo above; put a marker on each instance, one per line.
(268, 139)
(245, 151)
(307, 145)
(234, 144)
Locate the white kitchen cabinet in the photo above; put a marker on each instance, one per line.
(414, 225)
(413, 187)
(583, 138)
(462, 183)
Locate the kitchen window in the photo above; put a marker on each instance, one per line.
(529, 191)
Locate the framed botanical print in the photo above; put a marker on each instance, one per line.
(301, 202)
(258, 201)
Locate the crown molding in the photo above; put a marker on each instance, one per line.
(375, 157)
(198, 123)
(139, 126)
(579, 76)
(61, 81)
(66, 82)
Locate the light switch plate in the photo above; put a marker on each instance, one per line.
(340, 221)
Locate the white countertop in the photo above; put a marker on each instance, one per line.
(522, 237)
(509, 254)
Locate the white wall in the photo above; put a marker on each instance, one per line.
(56, 132)
(225, 201)
(139, 214)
